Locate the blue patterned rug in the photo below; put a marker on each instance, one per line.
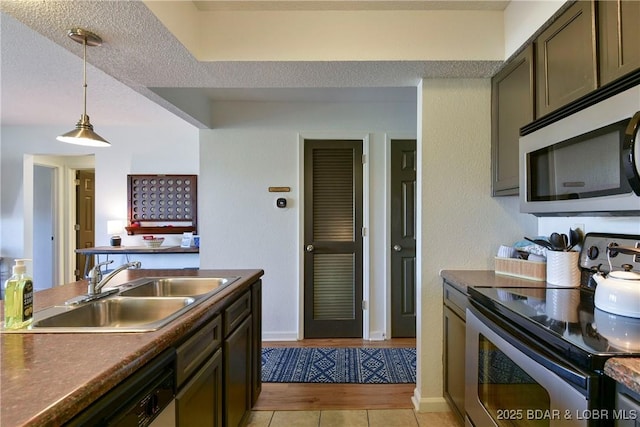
(339, 365)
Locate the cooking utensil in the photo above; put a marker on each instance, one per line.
(540, 242)
(574, 238)
(557, 242)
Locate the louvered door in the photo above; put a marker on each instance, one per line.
(333, 239)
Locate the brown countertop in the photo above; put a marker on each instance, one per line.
(462, 279)
(47, 379)
(625, 370)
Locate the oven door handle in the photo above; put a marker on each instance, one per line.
(631, 153)
(573, 375)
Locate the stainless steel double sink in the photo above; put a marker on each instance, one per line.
(143, 305)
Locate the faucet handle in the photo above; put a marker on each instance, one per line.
(100, 264)
(95, 274)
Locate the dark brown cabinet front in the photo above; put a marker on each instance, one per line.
(256, 348)
(512, 106)
(237, 374)
(566, 66)
(199, 402)
(454, 330)
(619, 38)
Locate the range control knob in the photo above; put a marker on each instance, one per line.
(593, 252)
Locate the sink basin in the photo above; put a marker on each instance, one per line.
(175, 286)
(143, 305)
(118, 314)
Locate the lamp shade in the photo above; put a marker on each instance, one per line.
(115, 226)
(83, 134)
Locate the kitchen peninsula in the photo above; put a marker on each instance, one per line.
(48, 379)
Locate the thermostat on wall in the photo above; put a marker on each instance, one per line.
(281, 202)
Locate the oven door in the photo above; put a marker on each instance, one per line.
(504, 386)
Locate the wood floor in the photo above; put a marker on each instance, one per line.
(296, 396)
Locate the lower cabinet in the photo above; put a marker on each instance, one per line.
(256, 314)
(237, 374)
(199, 377)
(199, 402)
(454, 348)
(627, 407)
(218, 367)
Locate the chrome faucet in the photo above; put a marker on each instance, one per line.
(96, 282)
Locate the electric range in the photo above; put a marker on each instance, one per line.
(566, 319)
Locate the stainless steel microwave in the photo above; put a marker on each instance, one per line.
(587, 163)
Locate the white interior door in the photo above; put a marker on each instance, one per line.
(44, 227)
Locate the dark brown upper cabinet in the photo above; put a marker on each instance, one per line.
(566, 64)
(619, 38)
(512, 106)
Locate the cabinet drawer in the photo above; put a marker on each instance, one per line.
(197, 349)
(236, 312)
(455, 299)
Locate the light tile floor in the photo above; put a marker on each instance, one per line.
(354, 418)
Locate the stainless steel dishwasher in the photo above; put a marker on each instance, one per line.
(146, 399)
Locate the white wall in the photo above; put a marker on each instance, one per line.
(257, 145)
(522, 18)
(171, 146)
(460, 224)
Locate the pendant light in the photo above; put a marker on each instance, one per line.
(83, 134)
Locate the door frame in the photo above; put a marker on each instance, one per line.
(65, 200)
(366, 253)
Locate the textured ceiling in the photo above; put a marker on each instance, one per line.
(39, 62)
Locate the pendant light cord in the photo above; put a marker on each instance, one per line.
(84, 77)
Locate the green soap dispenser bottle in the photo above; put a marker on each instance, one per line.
(18, 298)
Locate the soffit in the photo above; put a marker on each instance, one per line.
(141, 53)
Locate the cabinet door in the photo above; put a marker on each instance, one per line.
(454, 352)
(566, 58)
(237, 374)
(512, 106)
(199, 402)
(619, 35)
(256, 367)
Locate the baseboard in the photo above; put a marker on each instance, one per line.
(377, 336)
(429, 404)
(279, 336)
(293, 336)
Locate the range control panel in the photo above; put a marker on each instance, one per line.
(594, 253)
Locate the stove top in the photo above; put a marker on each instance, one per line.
(566, 318)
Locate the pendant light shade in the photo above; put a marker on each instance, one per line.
(83, 134)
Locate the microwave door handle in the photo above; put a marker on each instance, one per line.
(631, 153)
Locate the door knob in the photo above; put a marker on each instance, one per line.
(397, 248)
(309, 248)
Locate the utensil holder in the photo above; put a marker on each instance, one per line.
(562, 269)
